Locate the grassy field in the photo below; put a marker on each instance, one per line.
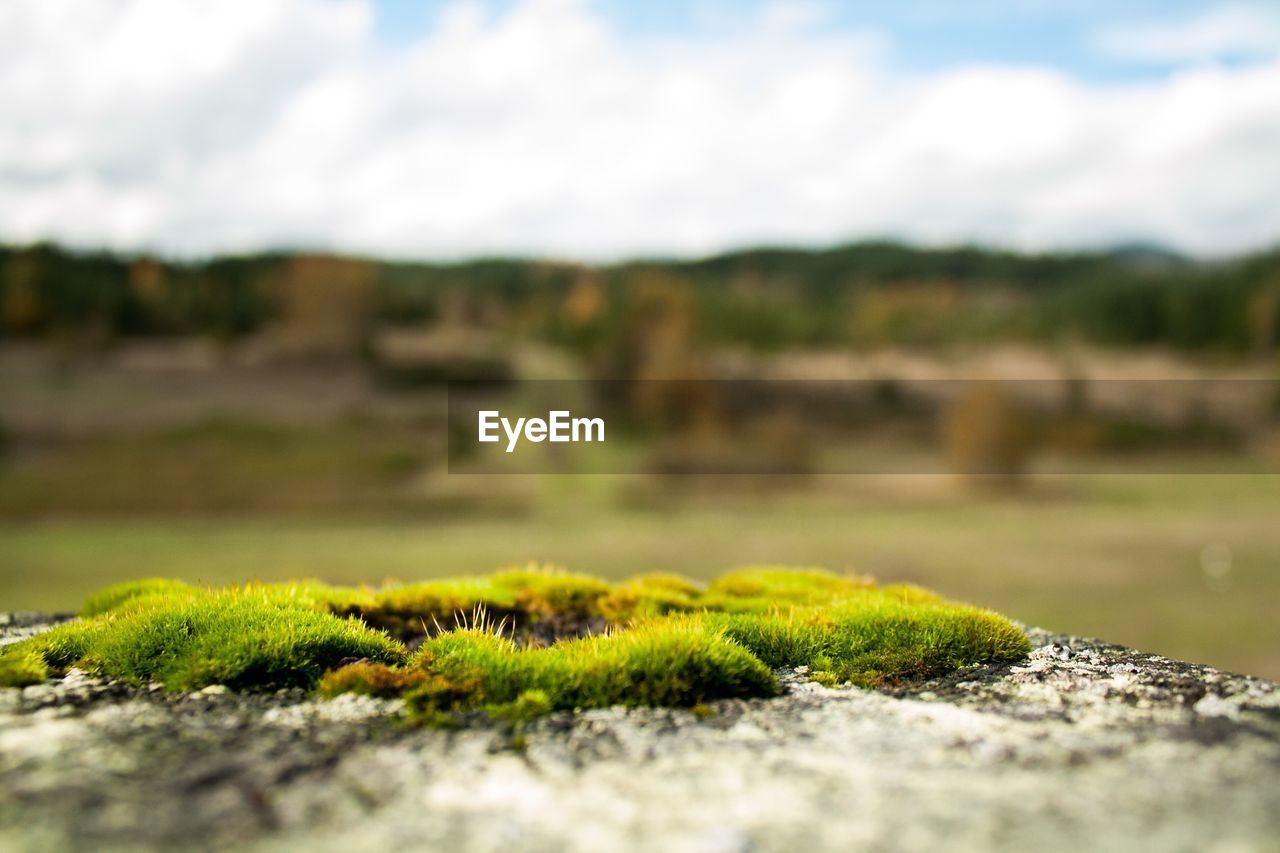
(1186, 565)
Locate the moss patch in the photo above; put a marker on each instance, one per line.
(117, 595)
(190, 639)
(20, 667)
(521, 642)
(679, 662)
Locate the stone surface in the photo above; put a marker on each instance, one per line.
(1082, 746)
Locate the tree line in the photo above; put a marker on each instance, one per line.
(862, 294)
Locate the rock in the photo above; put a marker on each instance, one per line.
(1084, 745)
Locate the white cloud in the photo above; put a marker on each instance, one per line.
(1225, 31)
(212, 127)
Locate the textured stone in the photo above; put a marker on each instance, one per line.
(1082, 746)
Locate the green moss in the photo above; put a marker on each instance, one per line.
(416, 609)
(240, 639)
(529, 705)
(825, 677)
(311, 595)
(677, 662)
(912, 594)
(649, 595)
(22, 667)
(308, 594)
(763, 588)
(524, 595)
(876, 637)
(512, 644)
(117, 595)
(547, 592)
(372, 679)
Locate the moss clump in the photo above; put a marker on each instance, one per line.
(416, 609)
(562, 641)
(544, 592)
(241, 639)
(679, 662)
(649, 595)
(875, 638)
(373, 679)
(763, 588)
(21, 667)
(522, 596)
(118, 595)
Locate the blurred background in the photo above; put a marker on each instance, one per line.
(1017, 266)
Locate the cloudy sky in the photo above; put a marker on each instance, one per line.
(602, 128)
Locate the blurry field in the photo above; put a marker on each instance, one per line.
(220, 474)
(1182, 564)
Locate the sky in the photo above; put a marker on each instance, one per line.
(601, 129)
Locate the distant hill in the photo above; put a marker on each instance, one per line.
(1151, 256)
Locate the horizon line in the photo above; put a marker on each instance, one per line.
(1119, 247)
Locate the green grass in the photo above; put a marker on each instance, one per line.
(667, 641)
(220, 464)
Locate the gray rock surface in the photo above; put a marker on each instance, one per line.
(1082, 746)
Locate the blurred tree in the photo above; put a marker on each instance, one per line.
(763, 299)
(907, 313)
(326, 306)
(987, 437)
(1264, 317)
(23, 307)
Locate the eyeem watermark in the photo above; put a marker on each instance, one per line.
(558, 426)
